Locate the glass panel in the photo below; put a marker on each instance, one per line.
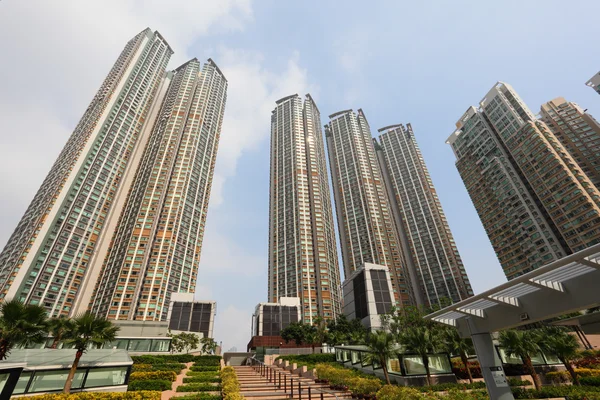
(394, 365)
(346, 354)
(22, 383)
(413, 365)
(139, 345)
(509, 360)
(538, 359)
(3, 379)
(439, 364)
(551, 359)
(160, 345)
(46, 381)
(106, 377)
(364, 360)
(354, 356)
(376, 364)
(117, 344)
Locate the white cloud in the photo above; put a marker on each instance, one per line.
(251, 95)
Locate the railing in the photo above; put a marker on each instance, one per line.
(274, 376)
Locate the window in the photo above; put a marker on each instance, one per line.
(106, 377)
(47, 381)
(439, 364)
(413, 365)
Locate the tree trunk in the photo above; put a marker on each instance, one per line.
(569, 367)
(313, 348)
(465, 361)
(55, 342)
(385, 371)
(3, 349)
(426, 365)
(536, 378)
(71, 375)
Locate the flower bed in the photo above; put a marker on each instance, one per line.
(147, 395)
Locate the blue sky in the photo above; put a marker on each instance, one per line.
(417, 62)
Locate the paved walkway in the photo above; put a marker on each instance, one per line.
(167, 394)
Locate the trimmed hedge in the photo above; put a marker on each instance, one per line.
(204, 368)
(590, 380)
(197, 396)
(141, 367)
(517, 382)
(231, 386)
(177, 368)
(207, 360)
(142, 395)
(393, 392)
(154, 384)
(199, 387)
(211, 374)
(574, 392)
(200, 378)
(444, 387)
(163, 359)
(153, 375)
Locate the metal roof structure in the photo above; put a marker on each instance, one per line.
(566, 285)
(35, 359)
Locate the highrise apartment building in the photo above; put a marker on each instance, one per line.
(535, 202)
(366, 224)
(594, 82)
(430, 251)
(94, 207)
(303, 258)
(155, 250)
(578, 132)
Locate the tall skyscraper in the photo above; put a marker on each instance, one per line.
(155, 250)
(303, 258)
(366, 225)
(534, 201)
(594, 82)
(440, 272)
(82, 214)
(578, 132)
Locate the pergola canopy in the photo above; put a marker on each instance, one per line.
(566, 285)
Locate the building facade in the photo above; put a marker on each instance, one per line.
(368, 293)
(50, 253)
(269, 319)
(578, 132)
(534, 201)
(431, 251)
(366, 225)
(303, 258)
(155, 250)
(117, 224)
(594, 82)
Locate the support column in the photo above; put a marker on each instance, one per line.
(491, 367)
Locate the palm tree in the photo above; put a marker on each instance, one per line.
(381, 347)
(457, 345)
(559, 342)
(57, 327)
(88, 330)
(421, 341)
(21, 324)
(356, 337)
(524, 344)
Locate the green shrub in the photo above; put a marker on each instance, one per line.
(153, 375)
(156, 384)
(141, 367)
(211, 374)
(197, 396)
(141, 395)
(204, 368)
(177, 368)
(444, 387)
(587, 372)
(207, 360)
(198, 387)
(590, 380)
(455, 394)
(516, 382)
(573, 392)
(200, 378)
(363, 386)
(393, 392)
(557, 377)
(164, 359)
(231, 386)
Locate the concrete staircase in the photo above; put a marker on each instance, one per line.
(276, 384)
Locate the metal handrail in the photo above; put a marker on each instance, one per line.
(269, 372)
